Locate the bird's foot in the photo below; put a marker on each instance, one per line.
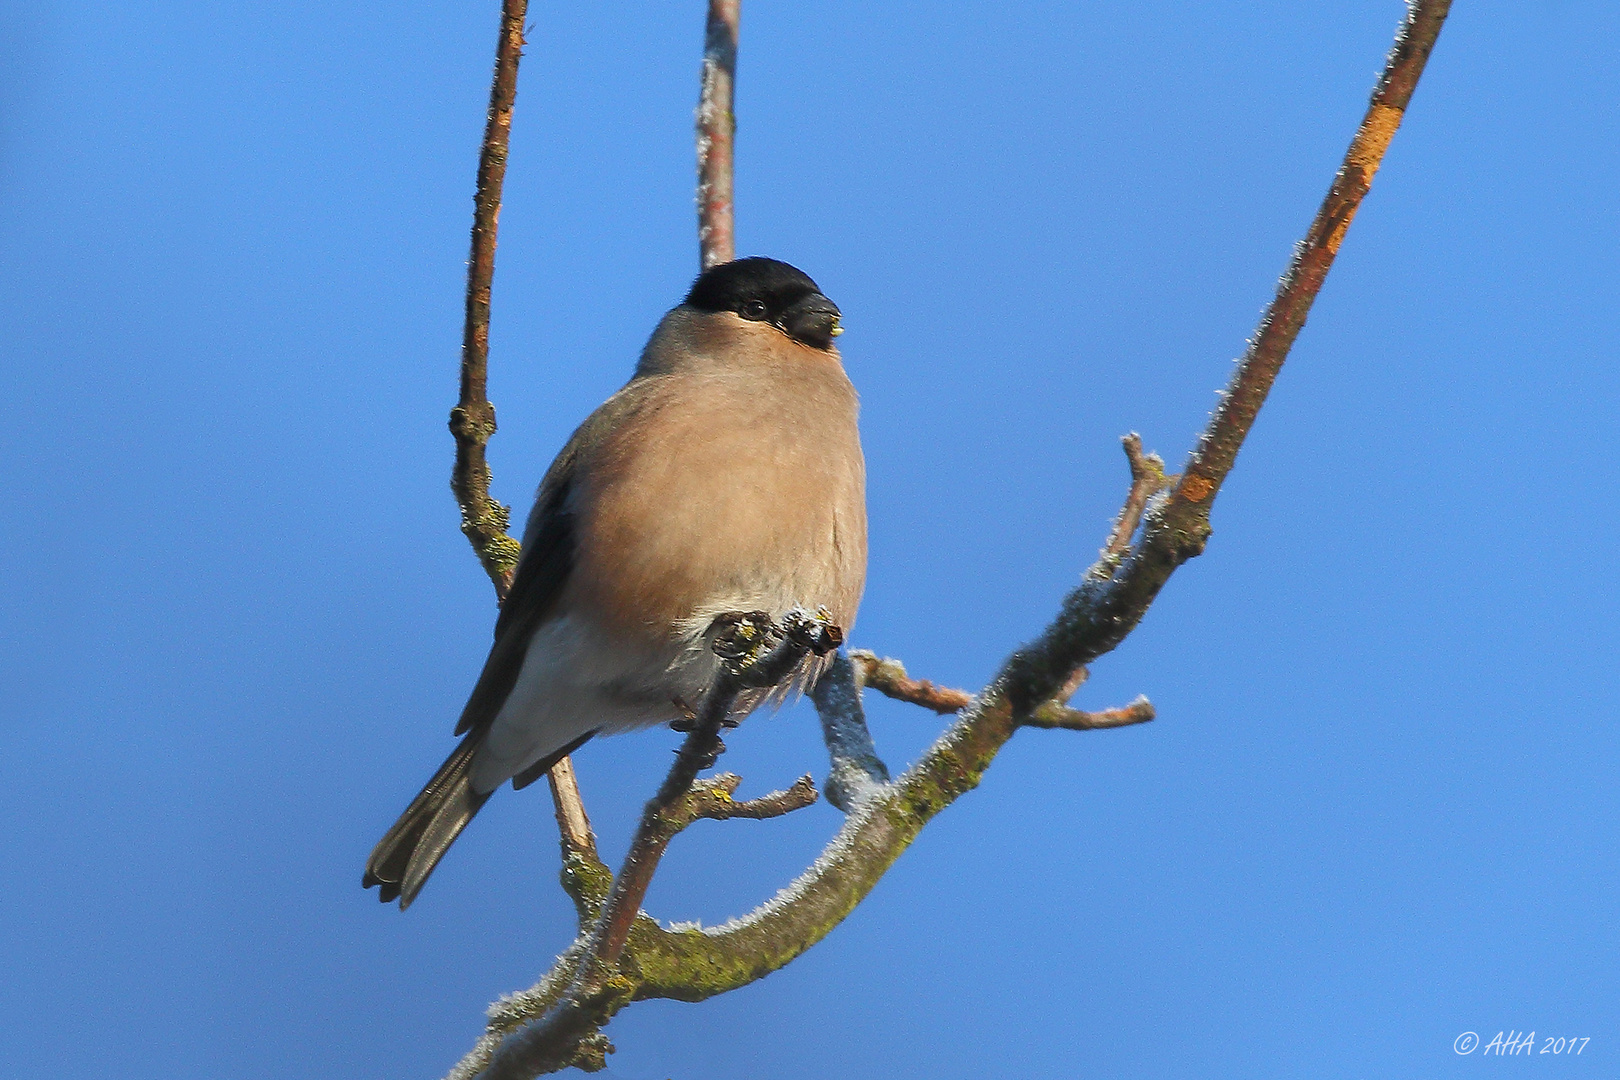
(707, 759)
(741, 636)
(816, 632)
(688, 720)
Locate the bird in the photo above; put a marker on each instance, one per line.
(726, 476)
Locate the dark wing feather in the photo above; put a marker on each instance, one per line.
(547, 560)
(403, 859)
(543, 766)
(548, 556)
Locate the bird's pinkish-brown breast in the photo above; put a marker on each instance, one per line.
(725, 490)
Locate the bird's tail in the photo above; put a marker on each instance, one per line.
(403, 859)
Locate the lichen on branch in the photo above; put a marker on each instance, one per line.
(472, 421)
(625, 955)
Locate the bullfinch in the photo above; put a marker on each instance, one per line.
(726, 476)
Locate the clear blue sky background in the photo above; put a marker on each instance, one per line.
(1379, 807)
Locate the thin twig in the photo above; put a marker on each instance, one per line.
(472, 421)
(1110, 602)
(717, 135)
(1217, 450)
(888, 677)
(658, 824)
(1054, 715)
(1147, 480)
(585, 878)
(712, 798)
(755, 652)
(758, 654)
(554, 1040)
(572, 824)
(691, 964)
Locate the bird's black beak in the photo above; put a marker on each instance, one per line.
(813, 320)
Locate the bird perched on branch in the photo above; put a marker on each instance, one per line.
(726, 476)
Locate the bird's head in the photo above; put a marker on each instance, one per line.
(771, 292)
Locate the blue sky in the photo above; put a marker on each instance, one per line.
(1378, 808)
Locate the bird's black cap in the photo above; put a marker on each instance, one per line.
(766, 290)
(728, 286)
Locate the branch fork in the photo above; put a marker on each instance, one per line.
(712, 798)
(888, 677)
(622, 954)
(1147, 480)
(755, 652)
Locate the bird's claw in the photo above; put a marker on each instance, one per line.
(688, 719)
(743, 635)
(817, 632)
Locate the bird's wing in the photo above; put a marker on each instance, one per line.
(541, 574)
(546, 563)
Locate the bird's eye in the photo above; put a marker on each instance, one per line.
(754, 310)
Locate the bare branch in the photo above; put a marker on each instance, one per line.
(472, 421)
(1147, 480)
(712, 798)
(752, 655)
(717, 135)
(585, 878)
(856, 768)
(660, 822)
(692, 963)
(1053, 715)
(572, 824)
(1109, 603)
(1217, 450)
(775, 803)
(888, 677)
